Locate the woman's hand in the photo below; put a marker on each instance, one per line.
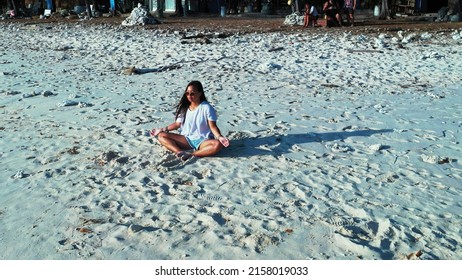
(155, 132)
(224, 141)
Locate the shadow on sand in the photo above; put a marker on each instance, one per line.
(277, 145)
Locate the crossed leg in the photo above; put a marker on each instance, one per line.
(178, 143)
(173, 142)
(208, 148)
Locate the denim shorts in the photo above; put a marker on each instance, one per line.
(195, 144)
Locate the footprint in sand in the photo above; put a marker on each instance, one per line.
(170, 161)
(387, 178)
(340, 221)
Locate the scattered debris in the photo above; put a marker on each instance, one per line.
(68, 103)
(84, 230)
(435, 159)
(414, 256)
(73, 151)
(294, 19)
(199, 40)
(45, 93)
(140, 16)
(19, 175)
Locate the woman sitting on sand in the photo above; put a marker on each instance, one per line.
(196, 121)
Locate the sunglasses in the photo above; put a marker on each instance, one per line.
(191, 93)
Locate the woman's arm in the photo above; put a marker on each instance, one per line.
(216, 132)
(170, 127)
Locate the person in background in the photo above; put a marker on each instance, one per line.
(349, 9)
(196, 121)
(332, 10)
(311, 16)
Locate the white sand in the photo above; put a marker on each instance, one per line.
(338, 151)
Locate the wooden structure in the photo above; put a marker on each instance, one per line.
(404, 6)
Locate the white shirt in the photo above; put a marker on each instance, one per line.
(313, 11)
(196, 124)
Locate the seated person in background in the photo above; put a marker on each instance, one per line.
(332, 11)
(311, 16)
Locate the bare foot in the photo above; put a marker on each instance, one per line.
(184, 156)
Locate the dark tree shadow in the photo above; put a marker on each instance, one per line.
(247, 147)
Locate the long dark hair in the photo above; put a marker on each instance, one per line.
(184, 103)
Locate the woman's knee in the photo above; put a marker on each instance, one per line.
(162, 137)
(217, 145)
(212, 146)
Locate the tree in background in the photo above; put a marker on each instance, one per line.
(87, 5)
(160, 8)
(178, 8)
(385, 12)
(454, 6)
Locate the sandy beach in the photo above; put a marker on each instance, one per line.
(344, 146)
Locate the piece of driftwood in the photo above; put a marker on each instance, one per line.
(330, 85)
(365, 51)
(139, 71)
(276, 49)
(201, 35)
(201, 38)
(198, 40)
